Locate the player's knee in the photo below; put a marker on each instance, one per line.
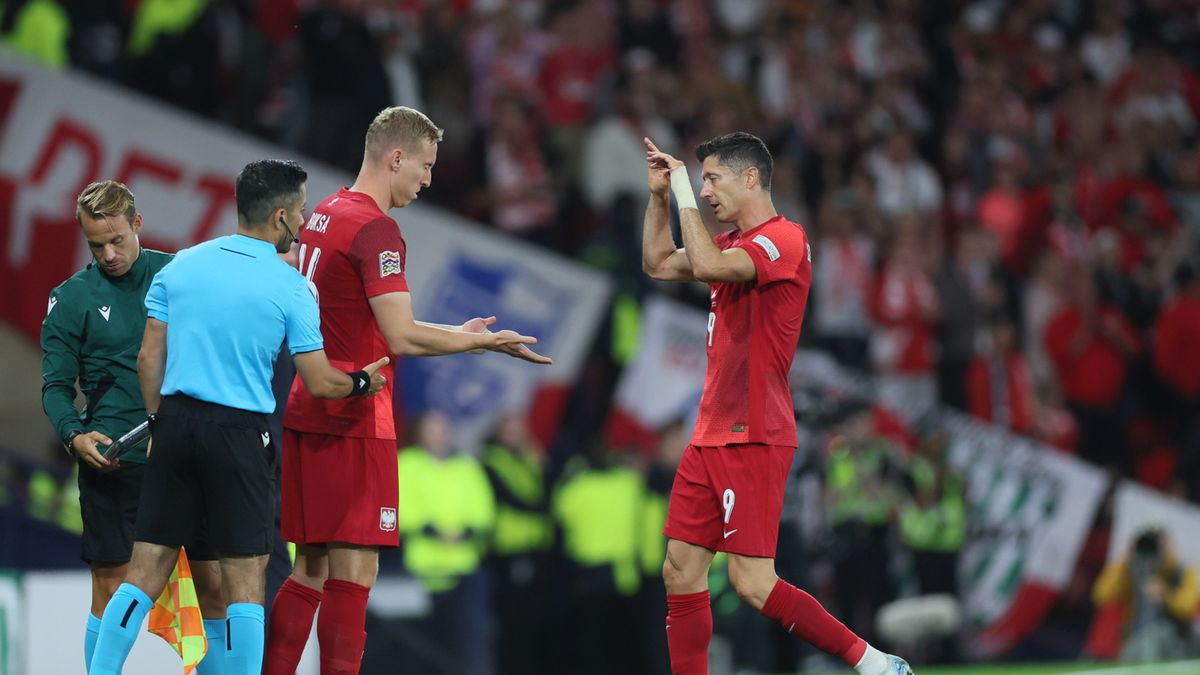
(679, 579)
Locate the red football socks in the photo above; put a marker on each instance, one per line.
(800, 613)
(340, 627)
(287, 632)
(689, 629)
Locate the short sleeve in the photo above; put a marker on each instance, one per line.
(378, 252)
(778, 253)
(156, 297)
(303, 320)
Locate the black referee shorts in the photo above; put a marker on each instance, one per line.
(209, 465)
(108, 503)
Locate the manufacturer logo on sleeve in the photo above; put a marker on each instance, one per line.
(389, 263)
(387, 519)
(768, 246)
(50, 306)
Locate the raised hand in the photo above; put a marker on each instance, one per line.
(377, 379)
(658, 169)
(514, 344)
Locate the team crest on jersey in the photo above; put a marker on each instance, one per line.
(768, 246)
(389, 263)
(387, 519)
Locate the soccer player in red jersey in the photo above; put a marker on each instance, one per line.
(728, 491)
(339, 460)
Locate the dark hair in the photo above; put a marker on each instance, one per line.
(740, 151)
(266, 185)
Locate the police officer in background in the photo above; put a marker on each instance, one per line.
(91, 334)
(217, 316)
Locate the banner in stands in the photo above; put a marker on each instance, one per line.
(662, 383)
(1030, 508)
(59, 131)
(1029, 511)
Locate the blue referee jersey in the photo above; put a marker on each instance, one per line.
(228, 304)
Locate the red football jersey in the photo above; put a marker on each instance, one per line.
(349, 251)
(753, 330)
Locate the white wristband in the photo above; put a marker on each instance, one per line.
(681, 187)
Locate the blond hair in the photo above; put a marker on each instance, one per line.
(106, 198)
(399, 126)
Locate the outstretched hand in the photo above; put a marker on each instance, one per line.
(514, 344)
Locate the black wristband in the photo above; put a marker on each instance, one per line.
(361, 382)
(69, 441)
(151, 419)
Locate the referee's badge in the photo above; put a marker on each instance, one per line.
(389, 263)
(387, 519)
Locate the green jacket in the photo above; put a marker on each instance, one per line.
(92, 333)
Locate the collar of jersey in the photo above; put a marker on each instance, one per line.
(760, 226)
(250, 245)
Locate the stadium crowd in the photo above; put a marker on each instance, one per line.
(1004, 199)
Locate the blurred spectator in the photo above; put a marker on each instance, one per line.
(646, 25)
(1090, 343)
(999, 387)
(598, 507)
(905, 307)
(504, 54)
(1044, 298)
(842, 291)
(963, 283)
(38, 29)
(933, 525)
(521, 197)
(520, 546)
(614, 157)
(862, 494)
(905, 183)
(345, 79)
(1105, 49)
(446, 515)
(1159, 596)
(1177, 333)
(1001, 211)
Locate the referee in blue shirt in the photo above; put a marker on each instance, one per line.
(217, 315)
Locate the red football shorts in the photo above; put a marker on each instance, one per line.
(339, 489)
(730, 498)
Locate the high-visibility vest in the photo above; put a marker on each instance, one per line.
(523, 523)
(447, 512)
(40, 31)
(70, 516)
(848, 473)
(158, 17)
(43, 496)
(941, 526)
(599, 511)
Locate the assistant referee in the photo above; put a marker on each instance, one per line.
(217, 315)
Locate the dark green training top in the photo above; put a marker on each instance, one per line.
(93, 332)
